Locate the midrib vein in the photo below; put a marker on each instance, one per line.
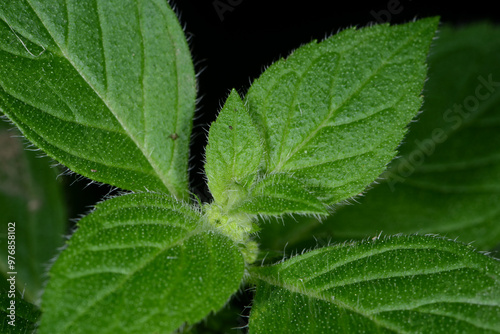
(127, 277)
(348, 98)
(171, 188)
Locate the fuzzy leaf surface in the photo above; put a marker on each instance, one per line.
(279, 193)
(33, 200)
(447, 180)
(233, 166)
(107, 88)
(403, 284)
(140, 263)
(233, 153)
(333, 113)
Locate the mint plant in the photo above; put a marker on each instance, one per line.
(108, 90)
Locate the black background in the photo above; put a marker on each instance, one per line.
(232, 45)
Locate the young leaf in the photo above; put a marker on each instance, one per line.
(279, 193)
(107, 88)
(393, 285)
(447, 179)
(233, 154)
(32, 205)
(140, 263)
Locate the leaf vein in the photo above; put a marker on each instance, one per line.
(313, 133)
(152, 163)
(106, 292)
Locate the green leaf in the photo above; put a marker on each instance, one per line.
(280, 193)
(233, 153)
(107, 88)
(140, 263)
(32, 199)
(447, 180)
(404, 284)
(333, 113)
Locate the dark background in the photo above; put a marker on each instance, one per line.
(232, 41)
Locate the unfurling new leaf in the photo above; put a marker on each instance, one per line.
(233, 154)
